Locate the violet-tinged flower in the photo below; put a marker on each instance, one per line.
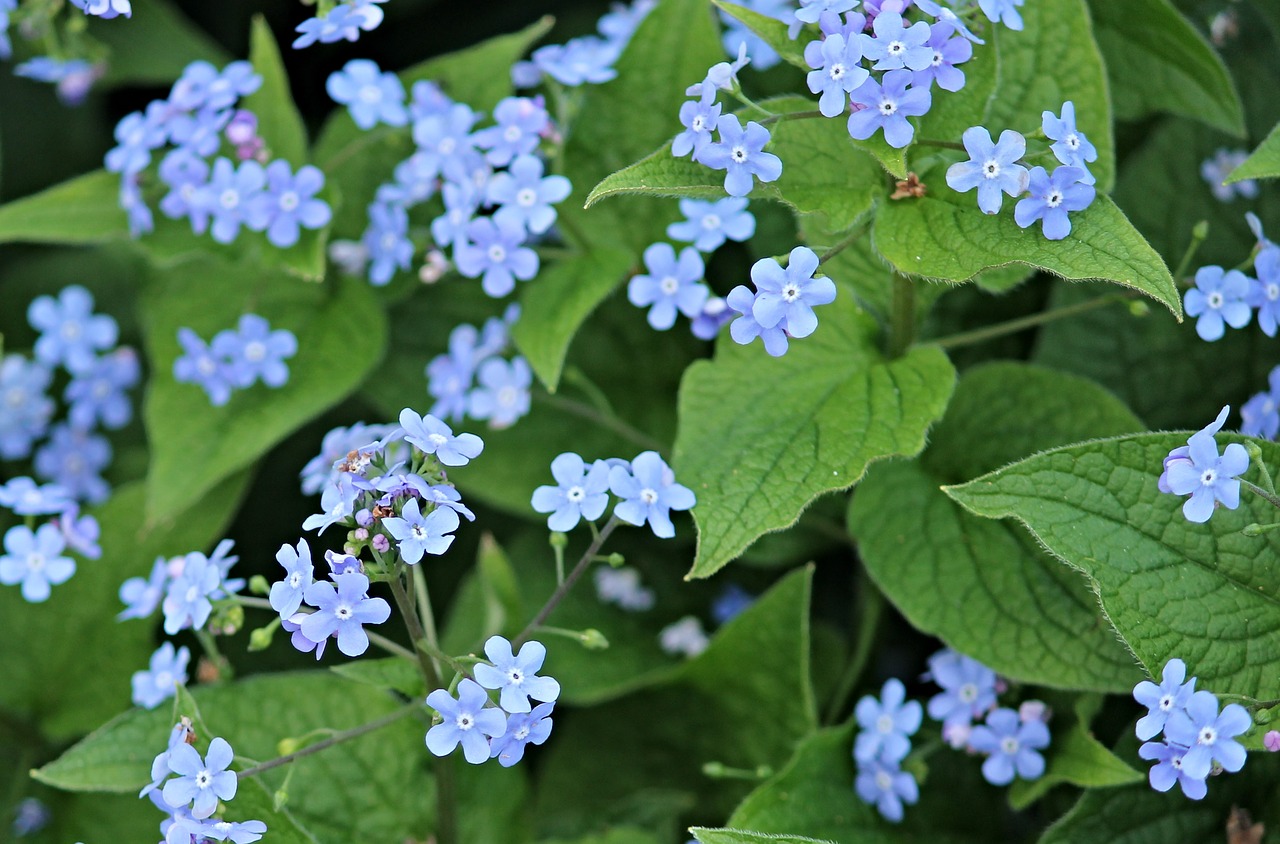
(461, 201)
(785, 298)
(432, 436)
(417, 534)
(581, 492)
(254, 352)
(521, 121)
(467, 721)
(73, 459)
(191, 829)
(97, 395)
(198, 365)
(25, 409)
(516, 675)
(201, 782)
(744, 329)
(501, 395)
(34, 559)
(991, 168)
(1264, 291)
(105, 9)
(897, 46)
(708, 224)
(1216, 169)
(289, 203)
(293, 626)
(185, 173)
(838, 70)
(387, 241)
(698, 117)
(968, 688)
(886, 724)
(526, 194)
(286, 595)
(187, 598)
(371, 96)
(649, 493)
(883, 784)
(137, 134)
(343, 611)
(341, 23)
(1163, 700)
(80, 532)
(1209, 735)
(1013, 746)
(167, 670)
(1052, 197)
(947, 53)
(25, 497)
(71, 335)
(1170, 769)
(887, 105)
(446, 136)
(1203, 475)
(494, 250)
(522, 729)
(1070, 145)
(715, 315)
(740, 152)
(1218, 299)
(230, 195)
(141, 595)
(1260, 415)
(672, 284)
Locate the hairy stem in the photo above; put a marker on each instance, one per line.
(870, 606)
(563, 589)
(1013, 326)
(902, 317)
(427, 668)
(325, 744)
(1270, 497)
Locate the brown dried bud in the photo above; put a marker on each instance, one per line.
(910, 186)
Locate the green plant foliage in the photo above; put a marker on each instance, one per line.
(81, 210)
(1264, 163)
(1079, 759)
(194, 445)
(762, 437)
(172, 42)
(1170, 587)
(772, 31)
(279, 123)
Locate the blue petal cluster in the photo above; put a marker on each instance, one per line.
(474, 379)
(1197, 470)
(646, 488)
(187, 787)
(782, 304)
(344, 21)
(235, 359)
(588, 59)
(884, 740)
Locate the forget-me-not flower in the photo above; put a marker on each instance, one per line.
(1217, 300)
(501, 395)
(671, 284)
(494, 251)
(255, 352)
(371, 96)
(516, 675)
(25, 409)
(467, 721)
(71, 335)
(581, 492)
(1264, 291)
(785, 298)
(432, 436)
(1169, 769)
(649, 493)
(167, 669)
(838, 70)
(991, 168)
(417, 534)
(289, 203)
(524, 192)
(708, 224)
(886, 105)
(286, 595)
(1070, 145)
(343, 611)
(1052, 197)
(698, 117)
(34, 559)
(97, 395)
(897, 46)
(1209, 735)
(1260, 415)
(523, 728)
(1013, 745)
(740, 152)
(882, 783)
(1202, 474)
(968, 688)
(886, 724)
(201, 782)
(1003, 11)
(1163, 700)
(948, 52)
(187, 598)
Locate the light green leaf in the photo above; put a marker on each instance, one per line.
(1179, 72)
(77, 626)
(1077, 758)
(738, 836)
(172, 42)
(983, 587)
(81, 210)
(254, 803)
(771, 30)
(1203, 593)
(945, 236)
(341, 333)
(1264, 163)
(761, 437)
(822, 170)
(279, 123)
(400, 675)
(553, 309)
(254, 715)
(480, 75)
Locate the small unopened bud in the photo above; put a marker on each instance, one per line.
(364, 517)
(259, 585)
(1271, 741)
(558, 539)
(360, 534)
(287, 745)
(260, 639)
(279, 799)
(616, 560)
(593, 640)
(381, 544)
(434, 268)
(1139, 308)
(243, 127)
(1200, 230)
(1033, 710)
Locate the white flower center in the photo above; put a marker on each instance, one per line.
(937, 59)
(836, 71)
(884, 782)
(515, 676)
(575, 494)
(204, 779)
(497, 253)
(1207, 736)
(419, 532)
(669, 285)
(522, 733)
(295, 579)
(527, 197)
(71, 330)
(697, 123)
(464, 721)
(711, 222)
(884, 725)
(991, 168)
(1273, 291)
(15, 397)
(895, 48)
(192, 594)
(229, 199)
(1216, 300)
(791, 292)
(164, 680)
(343, 612)
(35, 562)
(738, 154)
(649, 496)
(1072, 141)
(288, 201)
(1054, 199)
(370, 94)
(447, 146)
(507, 396)
(1209, 478)
(1166, 703)
(1009, 745)
(968, 693)
(512, 134)
(254, 351)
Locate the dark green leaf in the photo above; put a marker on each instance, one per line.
(1264, 163)
(171, 43)
(771, 30)
(394, 673)
(82, 210)
(1077, 758)
(279, 123)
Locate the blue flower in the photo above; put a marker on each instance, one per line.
(1052, 197)
(502, 392)
(198, 365)
(1219, 297)
(25, 409)
(1070, 145)
(141, 595)
(947, 53)
(243, 832)
(698, 117)
(341, 22)
(1260, 415)
(521, 121)
(740, 152)
(587, 59)
(185, 173)
(881, 783)
(446, 136)
(896, 46)
(343, 612)
(387, 239)
(1216, 169)
(187, 598)
(1170, 769)
(671, 284)
(71, 335)
(526, 194)
(732, 601)
(1013, 745)
(495, 251)
(887, 105)
(460, 204)
(887, 724)
(621, 586)
(1002, 11)
(199, 132)
(230, 195)
(98, 394)
(137, 134)
(1209, 735)
(1264, 291)
(467, 721)
(336, 504)
(968, 688)
(580, 493)
(370, 95)
(106, 9)
(254, 352)
(289, 203)
(837, 71)
(449, 376)
(157, 684)
(811, 11)
(73, 459)
(785, 298)
(25, 498)
(744, 329)
(80, 532)
(30, 815)
(522, 729)
(684, 637)
(34, 559)
(417, 534)
(715, 315)
(286, 595)
(737, 34)
(516, 675)
(432, 436)
(73, 77)
(201, 782)
(708, 224)
(1163, 700)
(991, 168)
(649, 493)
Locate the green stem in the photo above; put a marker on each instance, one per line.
(424, 607)
(1255, 456)
(425, 666)
(790, 115)
(614, 424)
(255, 603)
(902, 317)
(563, 589)
(1013, 326)
(933, 142)
(440, 656)
(870, 608)
(336, 738)
(1270, 497)
(575, 376)
(390, 646)
(1198, 234)
(210, 646)
(848, 241)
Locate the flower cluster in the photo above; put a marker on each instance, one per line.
(1197, 470)
(782, 305)
(211, 191)
(1216, 169)
(884, 740)
(106, 9)
(71, 78)
(37, 559)
(685, 637)
(1198, 739)
(1229, 297)
(994, 169)
(344, 21)
(337, 608)
(500, 732)
(588, 59)
(235, 359)
(621, 586)
(1260, 415)
(474, 378)
(190, 797)
(645, 487)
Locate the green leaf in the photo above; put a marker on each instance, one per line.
(81, 210)
(77, 627)
(253, 715)
(341, 335)
(394, 673)
(738, 836)
(171, 42)
(944, 235)
(771, 30)
(1264, 163)
(761, 437)
(1077, 758)
(1203, 593)
(822, 170)
(1179, 72)
(984, 587)
(254, 802)
(480, 75)
(553, 309)
(279, 123)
